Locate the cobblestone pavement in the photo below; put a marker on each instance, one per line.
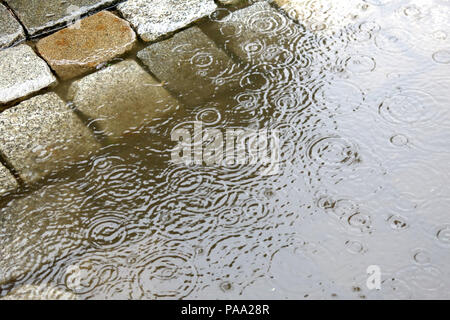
(101, 52)
(43, 41)
(360, 110)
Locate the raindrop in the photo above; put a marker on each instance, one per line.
(393, 40)
(168, 275)
(443, 235)
(409, 107)
(442, 56)
(421, 257)
(399, 140)
(360, 64)
(397, 222)
(226, 286)
(354, 247)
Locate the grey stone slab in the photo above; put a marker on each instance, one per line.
(154, 19)
(42, 135)
(39, 16)
(40, 227)
(10, 29)
(192, 66)
(239, 2)
(325, 17)
(7, 181)
(259, 34)
(120, 97)
(39, 292)
(22, 73)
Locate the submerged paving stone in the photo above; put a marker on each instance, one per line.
(38, 228)
(10, 29)
(259, 34)
(191, 65)
(22, 73)
(39, 292)
(39, 16)
(120, 97)
(41, 135)
(99, 38)
(7, 181)
(325, 16)
(156, 18)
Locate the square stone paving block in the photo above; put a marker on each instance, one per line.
(41, 135)
(38, 228)
(22, 73)
(10, 29)
(260, 34)
(39, 16)
(120, 97)
(326, 16)
(99, 38)
(154, 19)
(7, 181)
(191, 66)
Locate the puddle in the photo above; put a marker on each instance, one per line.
(359, 97)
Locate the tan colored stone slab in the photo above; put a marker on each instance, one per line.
(120, 97)
(7, 181)
(22, 73)
(41, 135)
(97, 39)
(192, 66)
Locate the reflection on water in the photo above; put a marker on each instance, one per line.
(359, 94)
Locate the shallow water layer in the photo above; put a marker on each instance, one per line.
(359, 94)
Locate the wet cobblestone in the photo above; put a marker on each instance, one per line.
(11, 31)
(74, 51)
(41, 135)
(23, 73)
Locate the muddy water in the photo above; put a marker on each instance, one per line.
(359, 93)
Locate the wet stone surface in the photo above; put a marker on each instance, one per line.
(40, 16)
(191, 66)
(10, 29)
(50, 215)
(99, 38)
(23, 73)
(120, 97)
(361, 114)
(41, 135)
(154, 19)
(7, 181)
(39, 292)
(327, 16)
(260, 34)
